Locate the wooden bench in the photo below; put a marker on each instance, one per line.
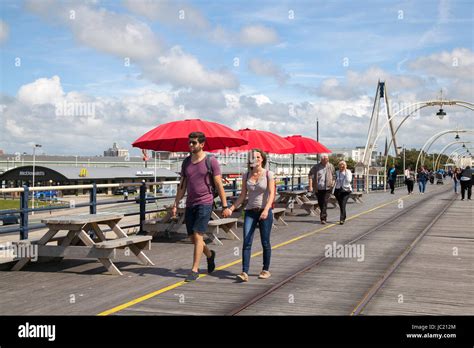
(356, 197)
(310, 206)
(228, 225)
(78, 227)
(278, 214)
(333, 201)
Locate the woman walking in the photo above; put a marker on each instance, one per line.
(409, 179)
(259, 185)
(422, 177)
(343, 189)
(456, 176)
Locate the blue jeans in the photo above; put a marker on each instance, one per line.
(422, 185)
(265, 227)
(456, 186)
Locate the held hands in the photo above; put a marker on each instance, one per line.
(174, 211)
(226, 213)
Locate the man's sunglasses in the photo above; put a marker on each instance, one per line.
(193, 142)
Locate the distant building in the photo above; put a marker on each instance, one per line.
(342, 153)
(115, 151)
(358, 155)
(1, 152)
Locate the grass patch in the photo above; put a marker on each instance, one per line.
(10, 204)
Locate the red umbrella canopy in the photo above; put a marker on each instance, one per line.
(263, 140)
(304, 145)
(173, 136)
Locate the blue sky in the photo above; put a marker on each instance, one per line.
(329, 54)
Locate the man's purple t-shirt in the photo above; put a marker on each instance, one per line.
(198, 182)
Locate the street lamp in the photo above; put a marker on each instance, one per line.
(441, 113)
(33, 196)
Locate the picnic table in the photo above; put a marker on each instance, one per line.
(289, 198)
(78, 227)
(167, 224)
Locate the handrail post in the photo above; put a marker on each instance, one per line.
(93, 199)
(234, 187)
(24, 212)
(142, 205)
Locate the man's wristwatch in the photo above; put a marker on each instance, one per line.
(225, 207)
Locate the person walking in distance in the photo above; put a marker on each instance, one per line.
(321, 182)
(466, 183)
(258, 185)
(343, 189)
(456, 176)
(201, 179)
(422, 178)
(392, 177)
(409, 179)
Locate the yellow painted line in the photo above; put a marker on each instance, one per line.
(178, 284)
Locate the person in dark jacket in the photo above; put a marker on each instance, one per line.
(392, 177)
(466, 183)
(422, 177)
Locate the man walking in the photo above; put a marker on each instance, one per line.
(392, 178)
(321, 181)
(200, 178)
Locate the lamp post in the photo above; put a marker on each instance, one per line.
(404, 167)
(154, 186)
(34, 163)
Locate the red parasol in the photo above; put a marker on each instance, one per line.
(303, 145)
(263, 140)
(173, 136)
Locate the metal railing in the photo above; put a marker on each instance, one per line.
(283, 183)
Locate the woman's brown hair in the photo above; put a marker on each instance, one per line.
(263, 154)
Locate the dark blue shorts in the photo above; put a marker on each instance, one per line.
(197, 218)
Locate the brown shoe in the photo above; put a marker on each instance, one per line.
(243, 277)
(264, 275)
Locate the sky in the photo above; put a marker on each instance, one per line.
(78, 75)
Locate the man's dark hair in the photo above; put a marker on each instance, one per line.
(199, 135)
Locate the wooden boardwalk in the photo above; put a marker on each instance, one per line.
(438, 276)
(77, 287)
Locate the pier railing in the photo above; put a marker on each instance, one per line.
(232, 186)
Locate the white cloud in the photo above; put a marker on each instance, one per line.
(459, 63)
(267, 68)
(174, 13)
(116, 34)
(181, 70)
(126, 37)
(258, 35)
(4, 31)
(41, 91)
(343, 122)
(356, 84)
